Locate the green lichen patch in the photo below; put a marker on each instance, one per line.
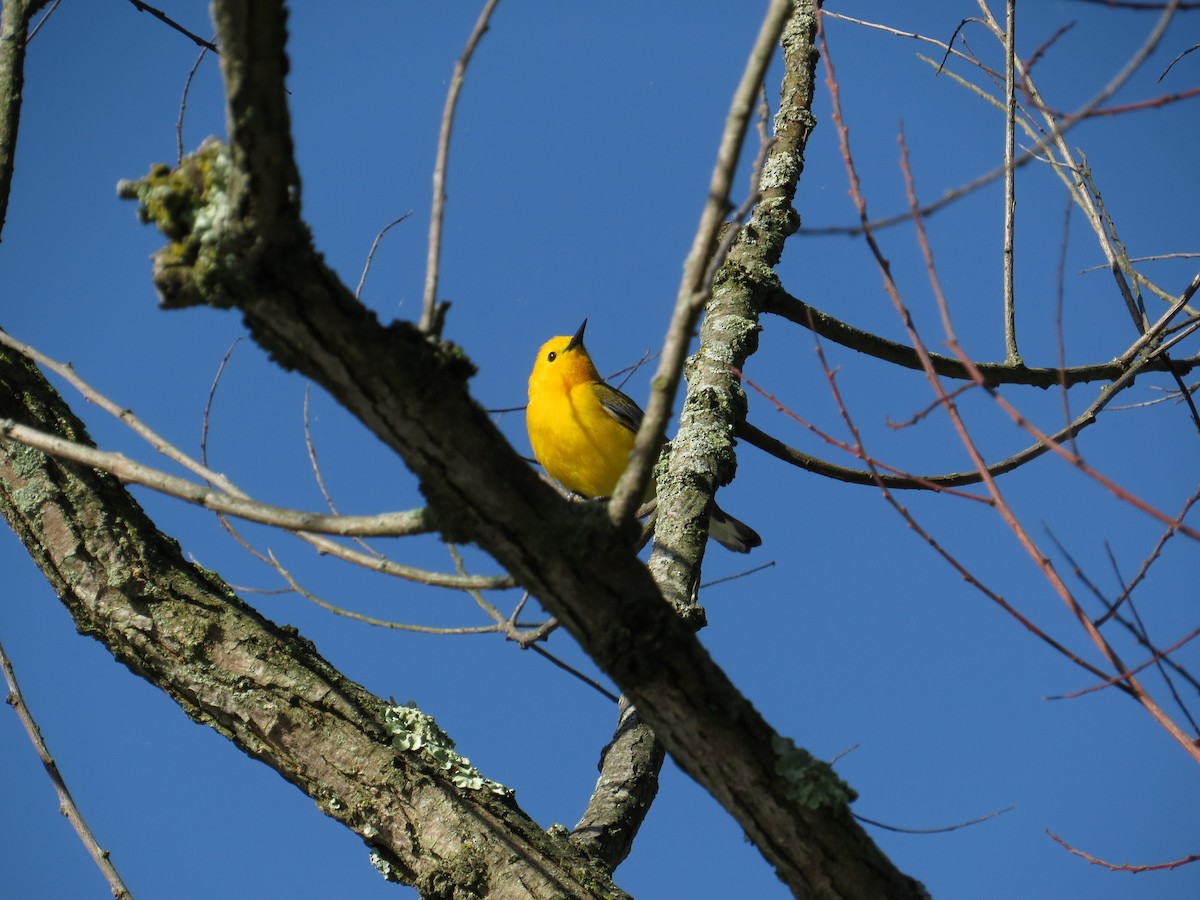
(192, 205)
(811, 781)
(413, 731)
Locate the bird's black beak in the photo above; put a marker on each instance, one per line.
(577, 340)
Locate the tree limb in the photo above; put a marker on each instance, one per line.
(14, 22)
(783, 304)
(263, 687)
(254, 253)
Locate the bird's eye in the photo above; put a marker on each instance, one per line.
(551, 356)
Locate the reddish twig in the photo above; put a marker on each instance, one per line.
(1124, 867)
(999, 502)
(1153, 660)
(874, 465)
(1149, 560)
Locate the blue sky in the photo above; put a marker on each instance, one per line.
(585, 139)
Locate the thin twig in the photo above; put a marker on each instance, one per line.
(1150, 559)
(187, 86)
(371, 620)
(527, 640)
(948, 47)
(1154, 660)
(101, 857)
(1124, 867)
(167, 20)
(311, 446)
(566, 667)
(53, 6)
(736, 575)
(1059, 299)
(1006, 513)
(1156, 258)
(433, 313)
(393, 524)
(941, 830)
(691, 297)
(1159, 79)
(371, 253)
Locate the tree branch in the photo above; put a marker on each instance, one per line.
(15, 16)
(783, 304)
(433, 313)
(66, 803)
(694, 289)
(578, 563)
(183, 630)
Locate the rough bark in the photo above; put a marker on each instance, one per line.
(263, 687)
(237, 240)
(627, 785)
(255, 254)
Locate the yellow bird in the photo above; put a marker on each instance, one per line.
(582, 430)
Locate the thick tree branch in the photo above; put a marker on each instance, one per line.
(254, 253)
(263, 687)
(626, 787)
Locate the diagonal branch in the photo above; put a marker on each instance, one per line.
(263, 687)
(694, 288)
(101, 857)
(245, 207)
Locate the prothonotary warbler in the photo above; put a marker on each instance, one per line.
(582, 430)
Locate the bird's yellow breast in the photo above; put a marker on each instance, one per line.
(577, 441)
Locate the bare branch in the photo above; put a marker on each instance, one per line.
(692, 294)
(44, 19)
(101, 857)
(1124, 867)
(783, 304)
(1006, 513)
(1177, 59)
(167, 20)
(371, 253)
(187, 86)
(433, 313)
(943, 829)
(15, 16)
(372, 620)
(380, 525)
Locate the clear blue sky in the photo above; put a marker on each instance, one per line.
(585, 139)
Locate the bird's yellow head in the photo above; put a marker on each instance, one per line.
(561, 364)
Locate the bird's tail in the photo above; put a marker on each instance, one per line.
(730, 532)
